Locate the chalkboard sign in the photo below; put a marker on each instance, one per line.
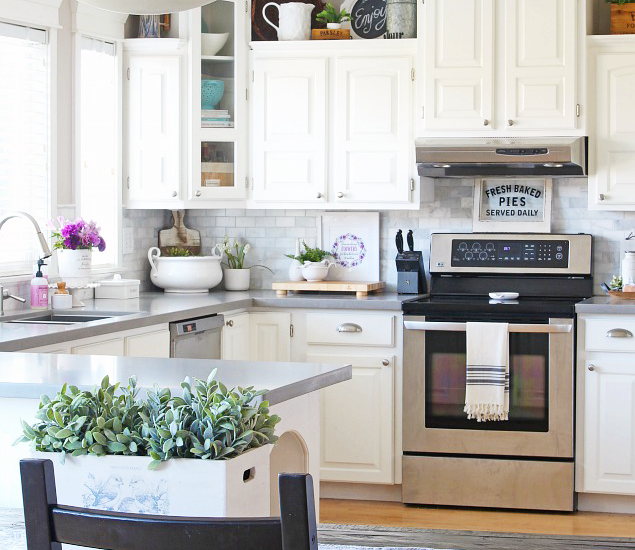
(368, 18)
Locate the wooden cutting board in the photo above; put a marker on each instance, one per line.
(360, 289)
(180, 236)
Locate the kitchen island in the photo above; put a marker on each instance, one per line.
(291, 392)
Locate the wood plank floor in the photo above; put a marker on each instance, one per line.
(399, 515)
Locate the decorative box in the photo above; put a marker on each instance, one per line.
(118, 289)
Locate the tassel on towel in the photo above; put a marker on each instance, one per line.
(487, 376)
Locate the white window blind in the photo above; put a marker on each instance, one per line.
(98, 127)
(24, 143)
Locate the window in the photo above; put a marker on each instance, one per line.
(98, 144)
(24, 143)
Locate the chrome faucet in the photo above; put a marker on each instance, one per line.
(5, 294)
(45, 247)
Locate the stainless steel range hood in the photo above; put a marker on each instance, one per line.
(522, 157)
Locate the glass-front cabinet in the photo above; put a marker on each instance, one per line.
(218, 101)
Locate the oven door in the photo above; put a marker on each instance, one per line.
(541, 392)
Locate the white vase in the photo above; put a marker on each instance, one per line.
(295, 271)
(236, 279)
(74, 266)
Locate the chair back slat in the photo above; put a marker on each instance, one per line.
(48, 523)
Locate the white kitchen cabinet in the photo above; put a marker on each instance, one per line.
(360, 419)
(235, 339)
(153, 123)
(153, 341)
(331, 127)
(605, 435)
(612, 149)
(270, 336)
(499, 67)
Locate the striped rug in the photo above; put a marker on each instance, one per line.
(374, 537)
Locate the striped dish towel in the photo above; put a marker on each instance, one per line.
(487, 376)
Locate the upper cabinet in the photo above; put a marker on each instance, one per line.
(612, 123)
(331, 125)
(500, 67)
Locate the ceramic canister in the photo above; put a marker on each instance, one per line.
(401, 19)
(628, 268)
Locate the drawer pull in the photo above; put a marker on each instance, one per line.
(619, 333)
(385, 362)
(591, 368)
(349, 327)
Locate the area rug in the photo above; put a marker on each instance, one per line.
(373, 537)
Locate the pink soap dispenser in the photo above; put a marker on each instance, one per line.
(39, 289)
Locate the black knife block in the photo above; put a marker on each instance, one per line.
(411, 275)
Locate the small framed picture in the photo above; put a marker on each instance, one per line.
(352, 238)
(512, 205)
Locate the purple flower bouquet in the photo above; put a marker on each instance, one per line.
(76, 235)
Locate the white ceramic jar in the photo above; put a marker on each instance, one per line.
(628, 271)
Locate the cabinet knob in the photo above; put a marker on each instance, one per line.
(174, 193)
(349, 327)
(510, 122)
(319, 195)
(198, 193)
(229, 323)
(485, 122)
(591, 368)
(619, 333)
(601, 196)
(340, 195)
(385, 362)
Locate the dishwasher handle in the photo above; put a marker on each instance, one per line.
(196, 326)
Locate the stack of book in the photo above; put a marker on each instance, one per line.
(216, 118)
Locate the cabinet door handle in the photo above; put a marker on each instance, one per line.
(485, 122)
(510, 122)
(174, 193)
(591, 368)
(349, 327)
(340, 195)
(385, 362)
(229, 323)
(198, 193)
(319, 195)
(619, 333)
(601, 196)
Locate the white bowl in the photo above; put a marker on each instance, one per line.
(316, 271)
(189, 274)
(503, 295)
(211, 43)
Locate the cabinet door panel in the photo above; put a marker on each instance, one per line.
(154, 130)
(348, 452)
(289, 129)
(459, 64)
(107, 347)
(372, 129)
(609, 427)
(614, 175)
(150, 344)
(540, 64)
(269, 336)
(236, 337)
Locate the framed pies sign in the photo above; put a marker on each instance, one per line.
(512, 205)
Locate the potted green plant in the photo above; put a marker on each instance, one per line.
(332, 17)
(236, 275)
(120, 452)
(622, 16)
(313, 263)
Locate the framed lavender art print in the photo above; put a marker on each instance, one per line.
(352, 238)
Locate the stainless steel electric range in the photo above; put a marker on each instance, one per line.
(525, 462)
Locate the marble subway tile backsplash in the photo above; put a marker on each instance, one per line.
(272, 233)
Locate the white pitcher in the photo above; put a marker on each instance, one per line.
(295, 20)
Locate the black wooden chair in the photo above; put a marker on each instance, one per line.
(48, 523)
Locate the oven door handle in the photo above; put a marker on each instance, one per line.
(461, 327)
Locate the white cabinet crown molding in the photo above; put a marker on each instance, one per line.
(98, 23)
(33, 12)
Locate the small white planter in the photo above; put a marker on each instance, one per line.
(74, 266)
(237, 279)
(179, 487)
(333, 25)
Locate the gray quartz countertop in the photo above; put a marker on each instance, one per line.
(158, 307)
(606, 304)
(29, 375)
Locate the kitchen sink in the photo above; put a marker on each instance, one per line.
(66, 318)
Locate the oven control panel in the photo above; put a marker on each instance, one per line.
(510, 253)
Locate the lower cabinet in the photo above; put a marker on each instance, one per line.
(151, 341)
(605, 453)
(257, 336)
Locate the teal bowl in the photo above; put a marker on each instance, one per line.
(211, 93)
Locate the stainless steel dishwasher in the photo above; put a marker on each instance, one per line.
(198, 338)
